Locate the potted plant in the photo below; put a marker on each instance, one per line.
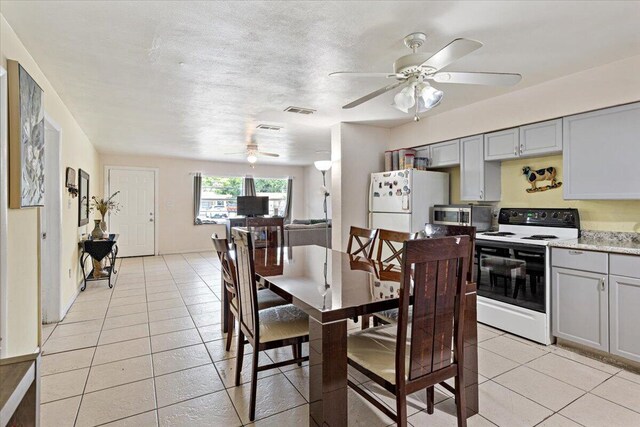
(104, 206)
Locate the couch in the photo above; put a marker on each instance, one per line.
(307, 232)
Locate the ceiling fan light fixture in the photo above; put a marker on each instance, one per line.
(252, 158)
(405, 99)
(430, 96)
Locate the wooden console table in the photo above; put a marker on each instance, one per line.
(98, 250)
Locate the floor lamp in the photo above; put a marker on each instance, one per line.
(323, 166)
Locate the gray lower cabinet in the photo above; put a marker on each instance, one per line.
(624, 315)
(580, 307)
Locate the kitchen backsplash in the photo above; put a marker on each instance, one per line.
(607, 215)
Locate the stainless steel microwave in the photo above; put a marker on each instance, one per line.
(478, 216)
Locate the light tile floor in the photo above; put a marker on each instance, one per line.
(150, 352)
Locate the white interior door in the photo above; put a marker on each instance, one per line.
(51, 227)
(136, 220)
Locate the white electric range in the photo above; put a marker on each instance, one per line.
(513, 271)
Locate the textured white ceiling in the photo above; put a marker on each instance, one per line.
(193, 79)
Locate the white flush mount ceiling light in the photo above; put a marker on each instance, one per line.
(252, 158)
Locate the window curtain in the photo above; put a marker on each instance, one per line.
(287, 208)
(197, 194)
(248, 186)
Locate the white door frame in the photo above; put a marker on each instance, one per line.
(4, 163)
(156, 197)
(51, 305)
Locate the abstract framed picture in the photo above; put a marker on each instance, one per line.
(26, 139)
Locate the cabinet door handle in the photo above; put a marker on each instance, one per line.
(521, 148)
(575, 252)
(481, 194)
(515, 150)
(602, 282)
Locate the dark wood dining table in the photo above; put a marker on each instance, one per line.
(332, 287)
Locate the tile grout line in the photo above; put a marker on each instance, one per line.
(226, 390)
(153, 367)
(95, 348)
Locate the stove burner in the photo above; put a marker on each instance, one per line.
(541, 237)
(499, 233)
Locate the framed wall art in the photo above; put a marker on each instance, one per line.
(83, 198)
(26, 139)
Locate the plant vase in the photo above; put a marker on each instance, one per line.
(97, 232)
(103, 225)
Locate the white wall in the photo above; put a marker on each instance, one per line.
(356, 151)
(23, 293)
(604, 86)
(313, 206)
(177, 233)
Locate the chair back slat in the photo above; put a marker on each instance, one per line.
(444, 310)
(390, 246)
(221, 247)
(438, 230)
(247, 290)
(364, 238)
(267, 232)
(438, 268)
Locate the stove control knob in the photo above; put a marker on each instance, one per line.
(567, 217)
(555, 215)
(514, 214)
(543, 215)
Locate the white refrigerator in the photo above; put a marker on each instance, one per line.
(402, 200)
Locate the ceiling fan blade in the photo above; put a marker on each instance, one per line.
(471, 78)
(359, 74)
(262, 153)
(451, 53)
(233, 154)
(373, 95)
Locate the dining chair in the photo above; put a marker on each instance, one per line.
(426, 346)
(389, 241)
(268, 232)
(266, 329)
(364, 238)
(266, 298)
(432, 231)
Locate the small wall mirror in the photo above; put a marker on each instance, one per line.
(83, 199)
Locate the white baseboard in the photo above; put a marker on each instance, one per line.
(66, 308)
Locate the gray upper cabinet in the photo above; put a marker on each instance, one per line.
(479, 180)
(445, 154)
(580, 307)
(501, 145)
(541, 139)
(601, 152)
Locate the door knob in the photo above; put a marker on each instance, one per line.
(150, 219)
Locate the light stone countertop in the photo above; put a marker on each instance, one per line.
(621, 243)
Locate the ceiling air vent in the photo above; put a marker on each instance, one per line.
(299, 110)
(268, 127)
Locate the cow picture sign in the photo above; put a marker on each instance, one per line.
(536, 175)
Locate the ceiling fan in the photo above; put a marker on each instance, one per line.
(253, 152)
(413, 71)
